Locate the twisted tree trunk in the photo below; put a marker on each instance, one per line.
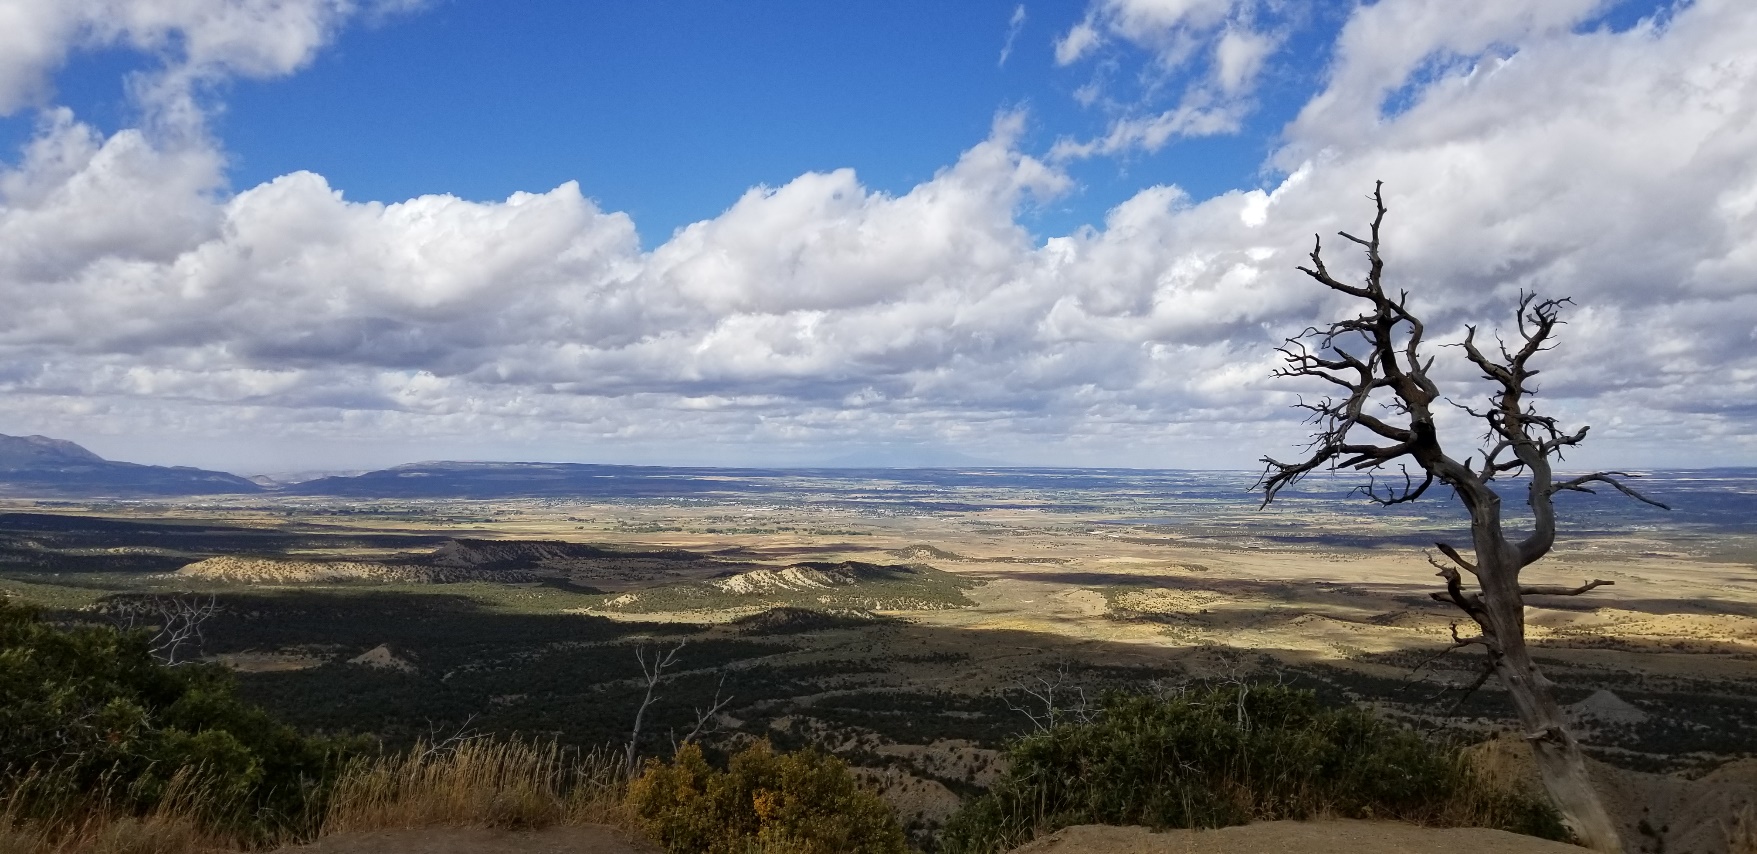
(1376, 359)
(1560, 763)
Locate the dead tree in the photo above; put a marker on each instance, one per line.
(652, 671)
(175, 623)
(707, 721)
(438, 743)
(1381, 413)
(1055, 711)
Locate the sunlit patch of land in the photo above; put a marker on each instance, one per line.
(941, 606)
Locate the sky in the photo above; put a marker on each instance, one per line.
(281, 235)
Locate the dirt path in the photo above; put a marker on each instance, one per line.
(1293, 837)
(585, 839)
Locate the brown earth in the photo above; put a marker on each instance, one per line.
(1656, 813)
(583, 839)
(1293, 837)
(383, 658)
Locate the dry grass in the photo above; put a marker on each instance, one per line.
(95, 827)
(479, 782)
(485, 782)
(1500, 765)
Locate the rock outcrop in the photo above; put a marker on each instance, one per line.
(256, 570)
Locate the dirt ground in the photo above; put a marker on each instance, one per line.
(586, 839)
(1323, 837)
(1293, 837)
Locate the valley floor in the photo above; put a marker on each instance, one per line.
(912, 637)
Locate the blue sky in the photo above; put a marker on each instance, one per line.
(669, 110)
(339, 233)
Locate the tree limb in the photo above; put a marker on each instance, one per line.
(1610, 477)
(1457, 558)
(1559, 590)
(175, 621)
(707, 720)
(1469, 603)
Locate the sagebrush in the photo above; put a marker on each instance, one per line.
(1230, 755)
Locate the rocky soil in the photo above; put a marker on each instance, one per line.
(1293, 837)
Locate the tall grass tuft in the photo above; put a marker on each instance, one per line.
(179, 823)
(1231, 755)
(509, 783)
(512, 783)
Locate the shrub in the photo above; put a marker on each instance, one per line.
(777, 803)
(90, 723)
(1232, 755)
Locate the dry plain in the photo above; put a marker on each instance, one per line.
(942, 607)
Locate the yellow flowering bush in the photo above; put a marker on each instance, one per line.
(775, 803)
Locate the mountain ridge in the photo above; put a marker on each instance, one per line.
(44, 466)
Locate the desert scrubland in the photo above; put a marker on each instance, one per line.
(912, 623)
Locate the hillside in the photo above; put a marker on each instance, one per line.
(847, 584)
(250, 570)
(43, 467)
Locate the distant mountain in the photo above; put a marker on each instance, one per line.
(486, 480)
(273, 480)
(917, 488)
(41, 466)
(26, 453)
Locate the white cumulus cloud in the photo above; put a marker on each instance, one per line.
(196, 41)
(1518, 151)
(1228, 39)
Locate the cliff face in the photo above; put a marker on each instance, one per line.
(41, 466)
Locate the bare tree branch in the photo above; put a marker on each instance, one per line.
(1457, 558)
(1482, 678)
(437, 744)
(1610, 477)
(1455, 594)
(1559, 590)
(175, 622)
(707, 720)
(1054, 711)
(1456, 644)
(652, 670)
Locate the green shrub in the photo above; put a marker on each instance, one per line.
(1232, 755)
(89, 723)
(776, 803)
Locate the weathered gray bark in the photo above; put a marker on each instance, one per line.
(1389, 372)
(652, 672)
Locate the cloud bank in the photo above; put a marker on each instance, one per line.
(143, 296)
